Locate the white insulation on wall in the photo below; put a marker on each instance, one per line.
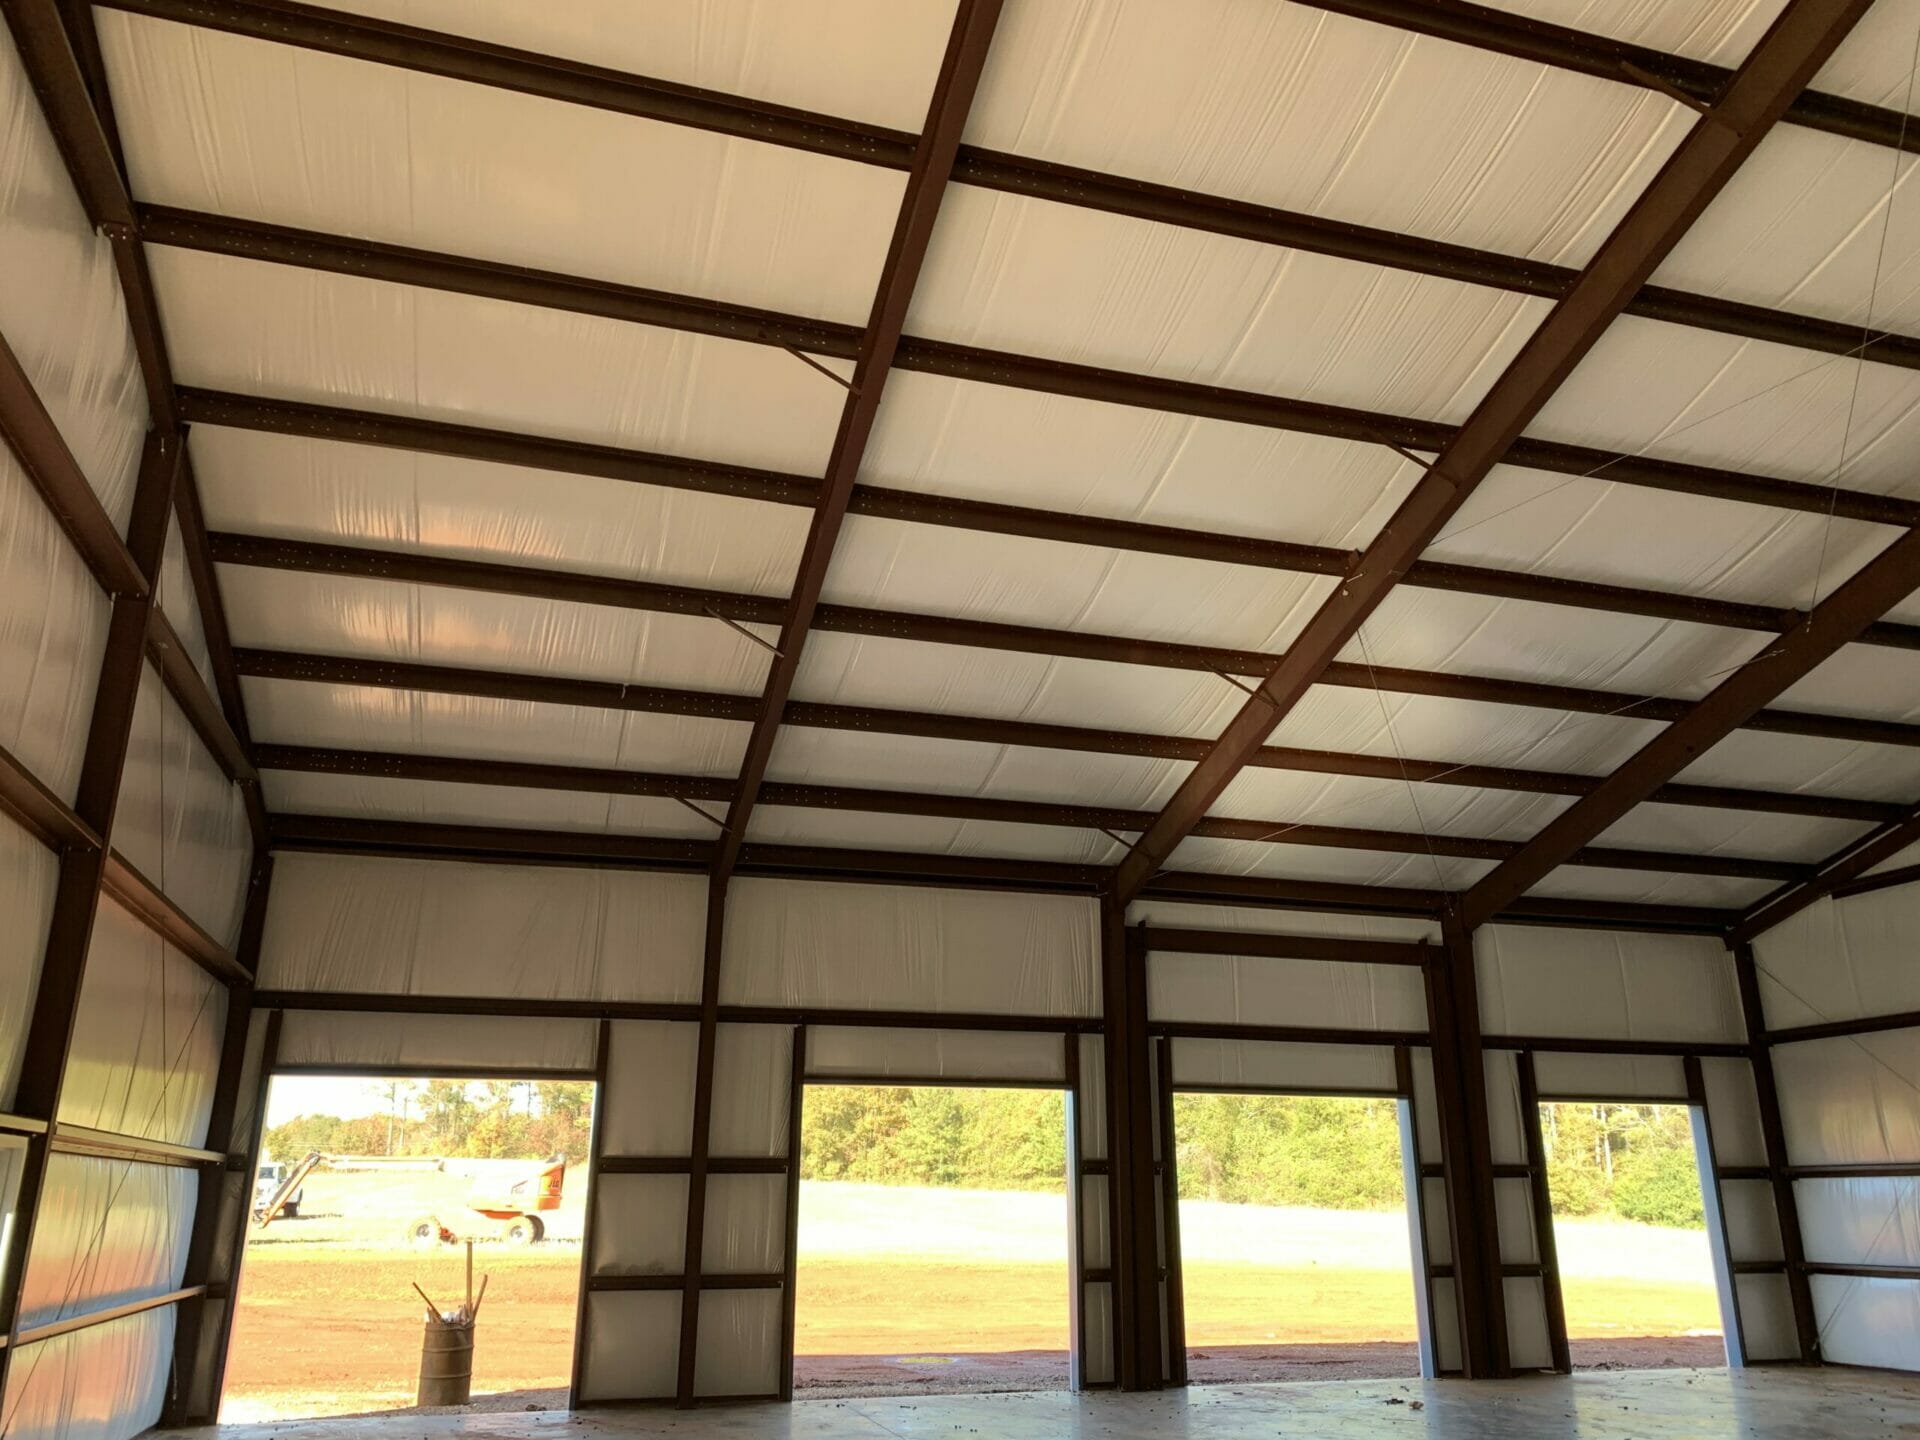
(1842, 959)
(1605, 985)
(432, 927)
(889, 947)
(146, 1043)
(28, 874)
(180, 822)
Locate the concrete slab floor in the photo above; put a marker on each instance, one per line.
(1776, 1404)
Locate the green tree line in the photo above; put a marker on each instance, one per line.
(475, 1119)
(1635, 1161)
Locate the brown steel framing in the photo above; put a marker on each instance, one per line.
(82, 874)
(608, 781)
(1019, 175)
(62, 58)
(1540, 1198)
(610, 695)
(1466, 1148)
(1880, 584)
(442, 437)
(933, 154)
(596, 1167)
(333, 835)
(535, 582)
(1773, 1134)
(1778, 68)
(211, 1251)
(1839, 875)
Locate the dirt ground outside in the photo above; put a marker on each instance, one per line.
(328, 1325)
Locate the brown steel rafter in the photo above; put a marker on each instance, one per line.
(932, 163)
(1781, 64)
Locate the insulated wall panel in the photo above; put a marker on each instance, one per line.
(1842, 959)
(752, 1070)
(110, 1231)
(68, 327)
(146, 1041)
(1259, 990)
(1283, 1066)
(430, 927)
(1852, 1100)
(180, 822)
(435, 1044)
(639, 1224)
(1595, 984)
(648, 1108)
(53, 631)
(632, 1345)
(29, 871)
(1867, 1321)
(106, 1382)
(890, 947)
(952, 1057)
(739, 1349)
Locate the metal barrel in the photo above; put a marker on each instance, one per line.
(446, 1363)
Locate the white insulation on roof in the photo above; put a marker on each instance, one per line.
(1294, 107)
(270, 132)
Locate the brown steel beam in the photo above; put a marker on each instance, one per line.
(1466, 1147)
(519, 774)
(56, 1002)
(533, 581)
(964, 61)
(42, 452)
(1774, 1139)
(482, 63)
(142, 898)
(43, 814)
(337, 835)
(509, 447)
(952, 99)
(1188, 940)
(1883, 880)
(936, 357)
(1523, 37)
(1836, 874)
(1792, 50)
(610, 695)
(1540, 1198)
(209, 1257)
(1879, 585)
(197, 703)
(1132, 1229)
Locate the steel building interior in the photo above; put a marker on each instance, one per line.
(1360, 546)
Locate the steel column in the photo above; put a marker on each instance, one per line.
(1133, 1235)
(1779, 1164)
(1466, 1146)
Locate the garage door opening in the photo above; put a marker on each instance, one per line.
(369, 1186)
(933, 1242)
(1295, 1255)
(1629, 1226)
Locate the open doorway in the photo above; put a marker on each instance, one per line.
(367, 1187)
(1295, 1253)
(1630, 1232)
(933, 1241)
